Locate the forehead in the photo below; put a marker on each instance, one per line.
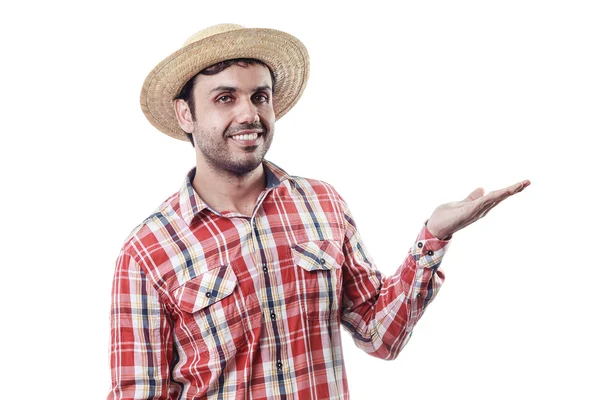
(237, 76)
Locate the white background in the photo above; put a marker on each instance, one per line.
(407, 107)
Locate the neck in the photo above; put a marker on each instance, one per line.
(227, 192)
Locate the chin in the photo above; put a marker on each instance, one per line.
(245, 168)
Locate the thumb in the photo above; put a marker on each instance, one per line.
(475, 194)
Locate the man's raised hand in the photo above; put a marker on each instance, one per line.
(452, 217)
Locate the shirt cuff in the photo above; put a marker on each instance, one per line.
(428, 250)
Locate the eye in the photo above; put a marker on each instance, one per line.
(224, 99)
(261, 98)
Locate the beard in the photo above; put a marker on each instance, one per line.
(216, 150)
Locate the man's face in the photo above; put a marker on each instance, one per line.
(235, 120)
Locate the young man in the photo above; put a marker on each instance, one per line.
(237, 286)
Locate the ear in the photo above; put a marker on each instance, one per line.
(184, 115)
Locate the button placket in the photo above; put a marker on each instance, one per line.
(270, 297)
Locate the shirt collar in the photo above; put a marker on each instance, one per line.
(191, 204)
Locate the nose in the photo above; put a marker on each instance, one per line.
(247, 112)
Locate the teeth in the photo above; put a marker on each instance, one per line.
(251, 136)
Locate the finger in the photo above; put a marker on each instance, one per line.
(493, 204)
(475, 194)
(512, 189)
(501, 194)
(494, 200)
(483, 204)
(486, 201)
(525, 183)
(519, 186)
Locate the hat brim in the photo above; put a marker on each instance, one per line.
(285, 55)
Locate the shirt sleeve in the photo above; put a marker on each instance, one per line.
(380, 311)
(140, 347)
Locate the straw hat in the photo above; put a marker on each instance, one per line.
(285, 55)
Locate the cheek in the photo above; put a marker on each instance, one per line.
(268, 116)
(215, 123)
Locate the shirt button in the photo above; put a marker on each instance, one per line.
(265, 268)
(419, 295)
(322, 261)
(420, 244)
(273, 315)
(430, 253)
(279, 365)
(208, 294)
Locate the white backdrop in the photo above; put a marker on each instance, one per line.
(407, 107)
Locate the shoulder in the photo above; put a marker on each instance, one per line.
(143, 235)
(314, 188)
(316, 196)
(309, 185)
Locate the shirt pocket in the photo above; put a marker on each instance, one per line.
(210, 311)
(319, 275)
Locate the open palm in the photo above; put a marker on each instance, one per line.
(452, 217)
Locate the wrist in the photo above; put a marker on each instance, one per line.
(439, 235)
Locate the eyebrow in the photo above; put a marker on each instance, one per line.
(233, 89)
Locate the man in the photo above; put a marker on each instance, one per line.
(237, 285)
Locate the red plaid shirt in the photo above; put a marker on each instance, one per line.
(209, 305)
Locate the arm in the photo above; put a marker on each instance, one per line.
(379, 311)
(382, 312)
(140, 349)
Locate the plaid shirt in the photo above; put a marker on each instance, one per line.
(209, 305)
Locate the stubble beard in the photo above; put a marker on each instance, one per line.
(218, 155)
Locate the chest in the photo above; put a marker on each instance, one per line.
(229, 280)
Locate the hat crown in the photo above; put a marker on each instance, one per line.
(212, 30)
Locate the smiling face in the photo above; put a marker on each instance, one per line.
(234, 118)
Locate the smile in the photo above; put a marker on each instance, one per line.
(251, 136)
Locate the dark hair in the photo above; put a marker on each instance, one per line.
(186, 93)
